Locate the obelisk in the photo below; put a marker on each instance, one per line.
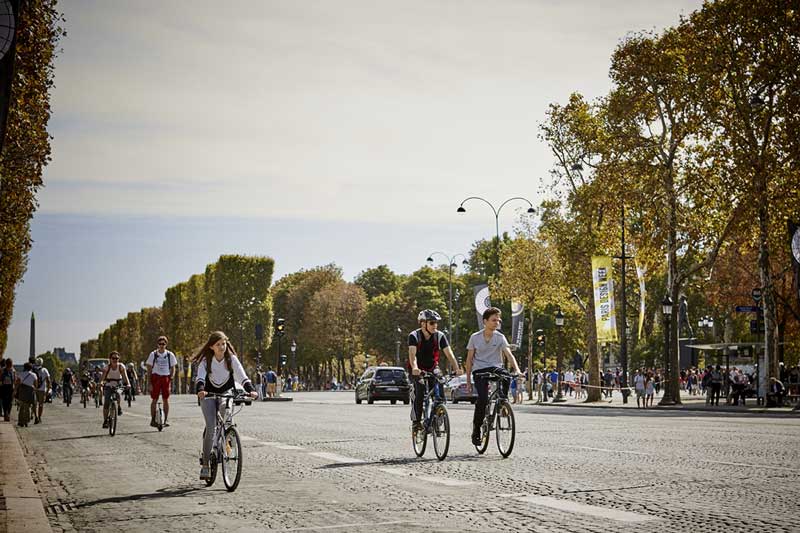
(33, 336)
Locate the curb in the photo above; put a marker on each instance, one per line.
(685, 408)
(23, 509)
(278, 399)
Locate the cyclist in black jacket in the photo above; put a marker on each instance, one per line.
(424, 348)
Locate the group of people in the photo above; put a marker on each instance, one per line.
(29, 387)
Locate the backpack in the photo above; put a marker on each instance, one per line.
(420, 339)
(38, 371)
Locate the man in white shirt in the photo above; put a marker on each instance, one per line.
(161, 365)
(569, 381)
(638, 385)
(44, 385)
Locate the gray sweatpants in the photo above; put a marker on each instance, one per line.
(210, 407)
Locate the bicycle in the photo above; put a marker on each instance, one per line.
(67, 395)
(128, 395)
(159, 416)
(98, 401)
(226, 446)
(113, 408)
(499, 416)
(435, 420)
(84, 397)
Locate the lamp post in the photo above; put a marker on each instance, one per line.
(559, 356)
(451, 264)
(666, 309)
(293, 347)
(496, 212)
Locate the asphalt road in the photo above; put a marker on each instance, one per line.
(322, 463)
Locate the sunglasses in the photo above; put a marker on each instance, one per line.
(432, 322)
(115, 358)
(162, 343)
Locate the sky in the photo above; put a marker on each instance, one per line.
(311, 132)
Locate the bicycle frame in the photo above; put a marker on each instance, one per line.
(430, 400)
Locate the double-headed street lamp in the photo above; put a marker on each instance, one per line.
(451, 264)
(666, 309)
(293, 347)
(496, 212)
(397, 352)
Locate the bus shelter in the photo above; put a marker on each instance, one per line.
(723, 352)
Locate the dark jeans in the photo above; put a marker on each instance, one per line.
(715, 389)
(481, 384)
(419, 394)
(7, 398)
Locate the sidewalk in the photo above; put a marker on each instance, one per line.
(21, 506)
(688, 403)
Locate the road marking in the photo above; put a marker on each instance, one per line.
(336, 458)
(340, 526)
(606, 450)
(749, 465)
(270, 443)
(288, 447)
(247, 439)
(582, 508)
(430, 479)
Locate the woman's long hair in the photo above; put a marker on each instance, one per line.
(206, 353)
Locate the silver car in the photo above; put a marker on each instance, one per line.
(457, 390)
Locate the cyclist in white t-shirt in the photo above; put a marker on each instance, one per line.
(161, 365)
(486, 351)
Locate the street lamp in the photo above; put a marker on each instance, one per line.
(397, 353)
(496, 212)
(293, 347)
(451, 264)
(559, 356)
(666, 309)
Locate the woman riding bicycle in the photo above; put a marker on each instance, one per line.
(218, 369)
(113, 376)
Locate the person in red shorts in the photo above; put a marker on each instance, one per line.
(161, 365)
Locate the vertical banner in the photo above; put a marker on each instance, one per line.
(794, 240)
(640, 273)
(517, 323)
(604, 310)
(482, 301)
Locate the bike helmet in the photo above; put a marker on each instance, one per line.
(39, 361)
(428, 314)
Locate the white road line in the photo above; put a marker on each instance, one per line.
(582, 508)
(336, 458)
(430, 479)
(606, 450)
(340, 526)
(749, 465)
(270, 443)
(247, 439)
(289, 447)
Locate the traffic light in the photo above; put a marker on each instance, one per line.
(283, 359)
(540, 340)
(280, 327)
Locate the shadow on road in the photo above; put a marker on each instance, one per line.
(400, 461)
(160, 493)
(614, 411)
(79, 437)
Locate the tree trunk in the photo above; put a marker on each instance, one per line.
(768, 366)
(594, 393)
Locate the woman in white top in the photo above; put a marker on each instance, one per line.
(218, 369)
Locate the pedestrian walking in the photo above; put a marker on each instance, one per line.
(716, 385)
(43, 380)
(272, 382)
(649, 389)
(7, 379)
(26, 394)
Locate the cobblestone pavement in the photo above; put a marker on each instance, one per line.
(323, 463)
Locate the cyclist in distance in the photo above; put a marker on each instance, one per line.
(161, 365)
(113, 376)
(424, 348)
(486, 351)
(67, 382)
(218, 369)
(87, 384)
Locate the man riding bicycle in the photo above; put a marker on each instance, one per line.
(424, 347)
(113, 376)
(486, 351)
(87, 385)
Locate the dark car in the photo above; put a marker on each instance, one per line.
(383, 383)
(456, 391)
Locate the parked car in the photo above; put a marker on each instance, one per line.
(456, 391)
(383, 383)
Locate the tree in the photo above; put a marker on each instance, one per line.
(26, 147)
(383, 315)
(377, 281)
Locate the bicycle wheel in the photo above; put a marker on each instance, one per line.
(112, 419)
(83, 400)
(441, 432)
(504, 428)
(481, 448)
(129, 398)
(419, 439)
(212, 469)
(159, 417)
(231, 459)
(96, 400)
